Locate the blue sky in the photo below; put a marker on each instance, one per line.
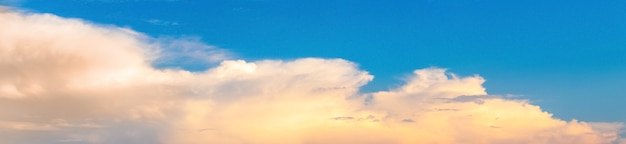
(569, 57)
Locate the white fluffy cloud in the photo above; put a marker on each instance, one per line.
(67, 81)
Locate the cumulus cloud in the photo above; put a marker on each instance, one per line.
(69, 81)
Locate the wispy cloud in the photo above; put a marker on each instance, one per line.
(162, 23)
(183, 52)
(83, 83)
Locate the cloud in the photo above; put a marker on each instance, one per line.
(162, 23)
(188, 53)
(69, 81)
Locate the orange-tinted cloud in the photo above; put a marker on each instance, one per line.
(68, 81)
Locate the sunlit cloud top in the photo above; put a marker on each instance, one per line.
(64, 80)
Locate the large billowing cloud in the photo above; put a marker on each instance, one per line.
(67, 81)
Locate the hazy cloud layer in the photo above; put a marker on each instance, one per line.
(68, 81)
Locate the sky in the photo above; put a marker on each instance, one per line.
(243, 71)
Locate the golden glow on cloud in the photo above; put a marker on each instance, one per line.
(67, 81)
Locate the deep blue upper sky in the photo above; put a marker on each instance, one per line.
(567, 56)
